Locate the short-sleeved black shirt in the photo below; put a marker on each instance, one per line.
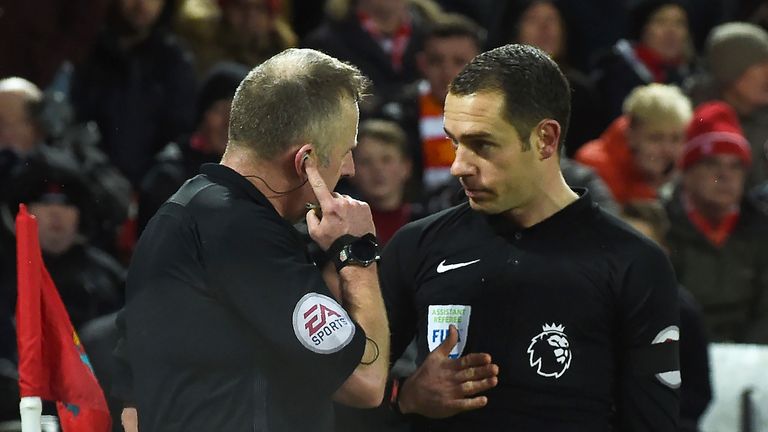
(567, 308)
(229, 325)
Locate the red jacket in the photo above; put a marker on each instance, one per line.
(611, 157)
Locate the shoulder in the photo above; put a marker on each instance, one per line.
(621, 241)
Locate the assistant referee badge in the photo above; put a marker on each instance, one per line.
(550, 351)
(321, 324)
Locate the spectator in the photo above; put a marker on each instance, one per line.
(541, 23)
(242, 31)
(27, 130)
(737, 60)
(381, 37)
(449, 44)
(637, 154)
(382, 168)
(719, 241)
(137, 85)
(181, 160)
(650, 218)
(89, 281)
(658, 50)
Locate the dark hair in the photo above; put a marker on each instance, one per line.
(650, 212)
(517, 10)
(385, 131)
(292, 96)
(220, 83)
(641, 11)
(456, 25)
(531, 83)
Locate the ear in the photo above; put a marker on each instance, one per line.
(547, 138)
(407, 168)
(300, 157)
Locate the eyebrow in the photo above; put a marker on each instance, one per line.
(469, 136)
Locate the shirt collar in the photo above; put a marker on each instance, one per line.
(226, 175)
(563, 219)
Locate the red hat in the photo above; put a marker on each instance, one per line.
(715, 130)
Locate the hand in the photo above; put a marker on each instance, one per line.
(340, 214)
(443, 387)
(130, 419)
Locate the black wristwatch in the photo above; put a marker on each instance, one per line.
(358, 251)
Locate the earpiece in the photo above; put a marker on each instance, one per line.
(305, 157)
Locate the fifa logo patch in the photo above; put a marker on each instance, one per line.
(321, 324)
(550, 351)
(439, 319)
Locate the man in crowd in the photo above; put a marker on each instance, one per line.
(737, 56)
(450, 43)
(382, 169)
(637, 154)
(718, 241)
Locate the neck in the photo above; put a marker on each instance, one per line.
(737, 102)
(273, 178)
(387, 203)
(713, 214)
(552, 196)
(129, 41)
(386, 21)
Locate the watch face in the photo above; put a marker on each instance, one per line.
(363, 250)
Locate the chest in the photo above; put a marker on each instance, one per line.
(520, 300)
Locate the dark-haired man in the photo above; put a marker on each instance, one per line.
(449, 44)
(569, 317)
(229, 324)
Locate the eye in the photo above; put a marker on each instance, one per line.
(481, 146)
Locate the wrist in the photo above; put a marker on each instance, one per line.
(349, 250)
(398, 398)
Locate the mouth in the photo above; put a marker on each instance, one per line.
(475, 193)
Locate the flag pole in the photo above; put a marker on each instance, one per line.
(31, 410)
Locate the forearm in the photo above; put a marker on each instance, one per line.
(362, 299)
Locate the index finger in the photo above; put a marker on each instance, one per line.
(323, 195)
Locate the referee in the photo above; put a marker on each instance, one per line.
(229, 326)
(532, 308)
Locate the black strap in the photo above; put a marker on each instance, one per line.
(337, 246)
(655, 358)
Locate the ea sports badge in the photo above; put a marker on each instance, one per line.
(440, 318)
(321, 324)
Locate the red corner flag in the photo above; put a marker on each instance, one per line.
(52, 363)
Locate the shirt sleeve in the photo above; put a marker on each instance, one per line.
(261, 268)
(649, 374)
(397, 279)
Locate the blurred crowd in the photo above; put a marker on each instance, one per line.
(108, 106)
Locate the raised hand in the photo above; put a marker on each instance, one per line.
(443, 387)
(340, 213)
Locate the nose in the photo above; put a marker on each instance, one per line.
(461, 166)
(348, 166)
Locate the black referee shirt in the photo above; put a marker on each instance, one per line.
(229, 325)
(572, 309)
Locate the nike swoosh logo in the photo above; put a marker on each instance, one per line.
(443, 267)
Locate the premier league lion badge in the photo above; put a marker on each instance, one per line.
(550, 351)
